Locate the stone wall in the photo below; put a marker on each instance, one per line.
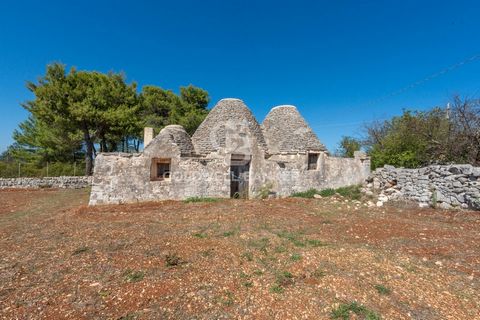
(125, 178)
(447, 186)
(75, 182)
(287, 174)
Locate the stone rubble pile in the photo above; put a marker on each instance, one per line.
(443, 186)
(65, 182)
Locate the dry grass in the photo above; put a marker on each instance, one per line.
(258, 259)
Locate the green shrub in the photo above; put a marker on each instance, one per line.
(134, 276)
(344, 310)
(381, 289)
(327, 192)
(351, 192)
(200, 199)
(310, 193)
(296, 257)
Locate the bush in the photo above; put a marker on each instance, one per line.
(344, 310)
(351, 192)
(327, 192)
(200, 199)
(305, 194)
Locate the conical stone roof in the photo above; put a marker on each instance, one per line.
(286, 131)
(175, 134)
(228, 115)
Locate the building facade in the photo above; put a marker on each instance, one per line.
(229, 155)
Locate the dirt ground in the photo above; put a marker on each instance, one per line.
(234, 259)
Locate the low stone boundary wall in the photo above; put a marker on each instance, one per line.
(444, 186)
(74, 182)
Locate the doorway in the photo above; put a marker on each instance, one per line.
(239, 175)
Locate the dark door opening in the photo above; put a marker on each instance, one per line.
(239, 176)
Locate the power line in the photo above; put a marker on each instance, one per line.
(426, 79)
(400, 91)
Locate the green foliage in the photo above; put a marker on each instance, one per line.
(305, 194)
(319, 273)
(347, 146)
(327, 192)
(200, 235)
(381, 289)
(315, 243)
(134, 276)
(419, 138)
(74, 114)
(80, 250)
(200, 199)
(160, 107)
(350, 192)
(296, 257)
(345, 310)
(276, 289)
(10, 169)
(284, 279)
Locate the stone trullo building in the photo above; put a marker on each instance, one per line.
(230, 155)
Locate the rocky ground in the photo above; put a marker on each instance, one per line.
(234, 259)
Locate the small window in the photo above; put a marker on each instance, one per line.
(160, 169)
(312, 161)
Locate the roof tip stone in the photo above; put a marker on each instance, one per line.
(282, 106)
(230, 99)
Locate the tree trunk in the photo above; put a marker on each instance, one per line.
(89, 152)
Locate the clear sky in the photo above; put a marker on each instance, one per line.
(340, 62)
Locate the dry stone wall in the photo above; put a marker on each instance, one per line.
(444, 186)
(75, 182)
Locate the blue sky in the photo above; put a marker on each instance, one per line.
(339, 62)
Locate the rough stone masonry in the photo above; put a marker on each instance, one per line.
(64, 182)
(229, 155)
(443, 186)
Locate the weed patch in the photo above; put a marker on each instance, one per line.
(228, 233)
(172, 260)
(296, 257)
(350, 192)
(310, 193)
(260, 244)
(344, 311)
(319, 273)
(80, 250)
(200, 235)
(134, 276)
(248, 255)
(381, 289)
(276, 289)
(315, 243)
(327, 192)
(200, 199)
(284, 278)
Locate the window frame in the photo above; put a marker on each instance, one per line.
(154, 169)
(309, 163)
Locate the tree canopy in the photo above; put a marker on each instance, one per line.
(419, 138)
(77, 113)
(348, 146)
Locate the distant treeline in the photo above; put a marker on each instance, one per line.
(76, 114)
(420, 138)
